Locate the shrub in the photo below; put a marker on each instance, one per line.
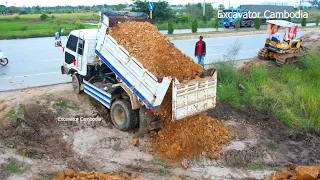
(289, 19)
(257, 23)
(216, 23)
(318, 21)
(17, 17)
(79, 25)
(194, 26)
(237, 24)
(23, 28)
(170, 27)
(52, 17)
(43, 17)
(304, 22)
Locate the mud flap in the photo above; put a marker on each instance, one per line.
(148, 122)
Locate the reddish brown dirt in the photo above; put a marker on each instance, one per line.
(154, 51)
(188, 137)
(71, 174)
(298, 173)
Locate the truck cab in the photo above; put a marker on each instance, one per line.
(79, 51)
(230, 21)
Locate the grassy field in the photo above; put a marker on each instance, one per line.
(26, 26)
(291, 93)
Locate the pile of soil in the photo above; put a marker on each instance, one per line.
(188, 137)
(191, 136)
(71, 174)
(296, 173)
(154, 51)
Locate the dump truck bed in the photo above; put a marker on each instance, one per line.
(189, 98)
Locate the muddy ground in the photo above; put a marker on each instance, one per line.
(35, 145)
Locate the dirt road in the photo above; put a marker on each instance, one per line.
(35, 145)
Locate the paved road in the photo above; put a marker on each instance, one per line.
(32, 62)
(36, 62)
(225, 48)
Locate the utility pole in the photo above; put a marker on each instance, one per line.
(204, 8)
(229, 4)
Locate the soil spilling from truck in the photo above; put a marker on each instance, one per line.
(154, 51)
(191, 136)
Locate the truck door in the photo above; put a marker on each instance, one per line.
(80, 50)
(74, 51)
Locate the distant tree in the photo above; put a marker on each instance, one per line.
(161, 10)
(194, 26)
(3, 8)
(170, 27)
(304, 22)
(221, 7)
(317, 21)
(237, 25)
(37, 9)
(257, 23)
(119, 7)
(13, 10)
(195, 11)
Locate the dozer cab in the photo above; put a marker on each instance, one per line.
(285, 50)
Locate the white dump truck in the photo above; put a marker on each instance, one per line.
(106, 71)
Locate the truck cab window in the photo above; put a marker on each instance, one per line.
(72, 43)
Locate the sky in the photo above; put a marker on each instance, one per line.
(234, 3)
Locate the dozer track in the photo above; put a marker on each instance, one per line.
(263, 53)
(286, 59)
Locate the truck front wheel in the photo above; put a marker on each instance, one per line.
(76, 83)
(123, 116)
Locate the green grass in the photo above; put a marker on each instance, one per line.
(162, 172)
(14, 113)
(260, 165)
(29, 26)
(291, 93)
(157, 160)
(14, 167)
(62, 104)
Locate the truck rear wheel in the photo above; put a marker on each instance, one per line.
(76, 83)
(123, 116)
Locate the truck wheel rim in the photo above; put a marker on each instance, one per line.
(119, 116)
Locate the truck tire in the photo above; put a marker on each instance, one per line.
(76, 83)
(227, 26)
(123, 116)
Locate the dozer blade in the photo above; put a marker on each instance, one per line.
(116, 17)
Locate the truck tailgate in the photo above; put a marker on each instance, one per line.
(193, 97)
